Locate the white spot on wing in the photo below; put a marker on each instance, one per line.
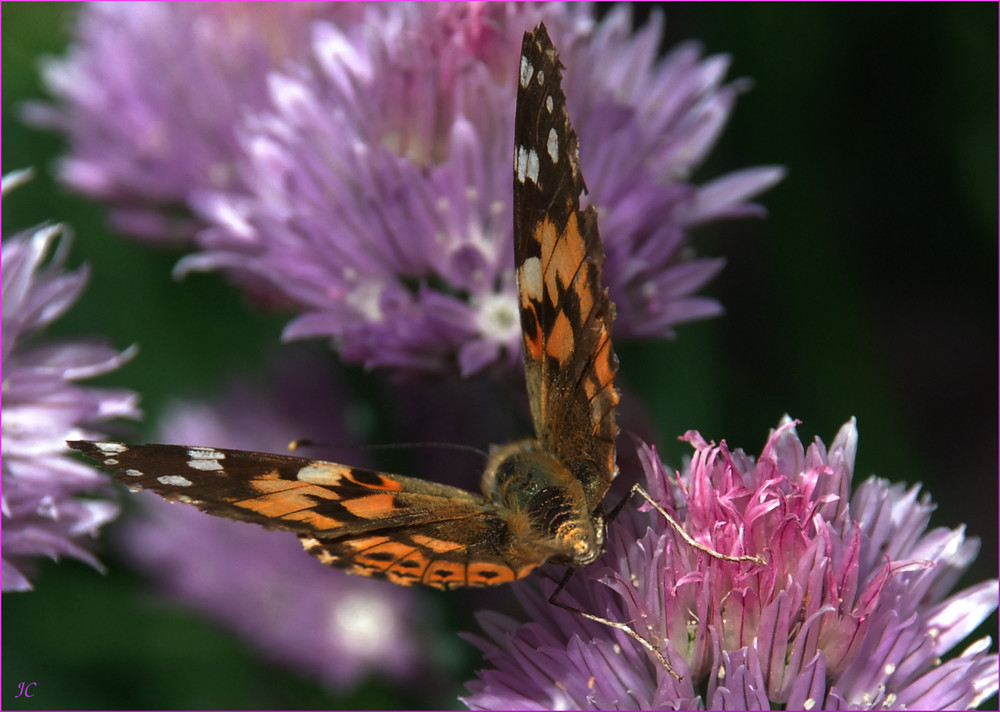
(133, 473)
(530, 278)
(541, 77)
(174, 481)
(553, 146)
(205, 459)
(549, 104)
(111, 461)
(204, 465)
(526, 165)
(205, 453)
(526, 71)
(531, 166)
(111, 448)
(319, 474)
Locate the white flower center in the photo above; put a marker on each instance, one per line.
(365, 299)
(499, 319)
(363, 622)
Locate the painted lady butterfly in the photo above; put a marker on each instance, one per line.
(542, 496)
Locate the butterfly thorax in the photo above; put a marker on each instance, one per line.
(543, 502)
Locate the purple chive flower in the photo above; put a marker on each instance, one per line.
(148, 95)
(851, 611)
(316, 620)
(51, 504)
(377, 189)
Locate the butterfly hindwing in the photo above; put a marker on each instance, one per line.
(473, 551)
(566, 314)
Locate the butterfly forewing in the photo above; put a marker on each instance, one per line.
(566, 314)
(371, 523)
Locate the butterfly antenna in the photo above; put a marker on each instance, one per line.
(306, 442)
(445, 446)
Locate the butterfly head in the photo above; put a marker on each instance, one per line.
(582, 539)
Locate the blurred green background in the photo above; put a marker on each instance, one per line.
(869, 291)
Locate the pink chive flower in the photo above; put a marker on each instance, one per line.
(52, 505)
(854, 608)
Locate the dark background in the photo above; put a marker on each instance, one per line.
(867, 292)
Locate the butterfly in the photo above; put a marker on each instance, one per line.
(542, 496)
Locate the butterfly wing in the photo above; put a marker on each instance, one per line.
(566, 314)
(475, 550)
(370, 523)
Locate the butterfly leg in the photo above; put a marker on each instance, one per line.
(624, 627)
(637, 489)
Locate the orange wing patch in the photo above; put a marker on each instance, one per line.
(407, 557)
